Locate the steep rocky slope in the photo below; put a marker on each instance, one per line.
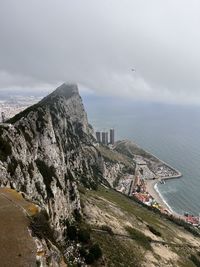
(45, 150)
(48, 153)
(116, 165)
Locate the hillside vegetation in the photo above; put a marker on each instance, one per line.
(132, 235)
(131, 149)
(114, 156)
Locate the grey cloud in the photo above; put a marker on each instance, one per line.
(97, 43)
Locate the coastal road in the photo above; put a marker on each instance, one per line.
(17, 247)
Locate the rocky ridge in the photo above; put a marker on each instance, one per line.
(45, 150)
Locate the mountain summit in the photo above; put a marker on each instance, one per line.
(65, 101)
(66, 90)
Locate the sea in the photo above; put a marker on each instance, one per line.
(169, 131)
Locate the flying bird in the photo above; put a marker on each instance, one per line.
(133, 69)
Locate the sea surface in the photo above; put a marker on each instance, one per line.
(171, 132)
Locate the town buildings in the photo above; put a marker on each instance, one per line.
(103, 137)
(98, 137)
(112, 136)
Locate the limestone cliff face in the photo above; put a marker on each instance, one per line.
(46, 149)
(113, 172)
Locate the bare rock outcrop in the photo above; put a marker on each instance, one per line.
(46, 150)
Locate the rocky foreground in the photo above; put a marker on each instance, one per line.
(49, 154)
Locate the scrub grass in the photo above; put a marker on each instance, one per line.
(138, 236)
(119, 252)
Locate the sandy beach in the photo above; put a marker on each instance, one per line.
(151, 190)
(150, 187)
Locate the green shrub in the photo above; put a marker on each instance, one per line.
(84, 181)
(93, 255)
(96, 251)
(153, 230)
(195, 260)
(84, 235)
(94, 186)
(89, 258)
(83, 252)
(77, 215)
(72, 232)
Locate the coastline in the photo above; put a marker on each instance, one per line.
(178, 175)
(151, 186)
(152, 189)
(152, 162)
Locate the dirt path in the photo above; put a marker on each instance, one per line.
(17, 247)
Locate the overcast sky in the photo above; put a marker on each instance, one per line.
(96, 43)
